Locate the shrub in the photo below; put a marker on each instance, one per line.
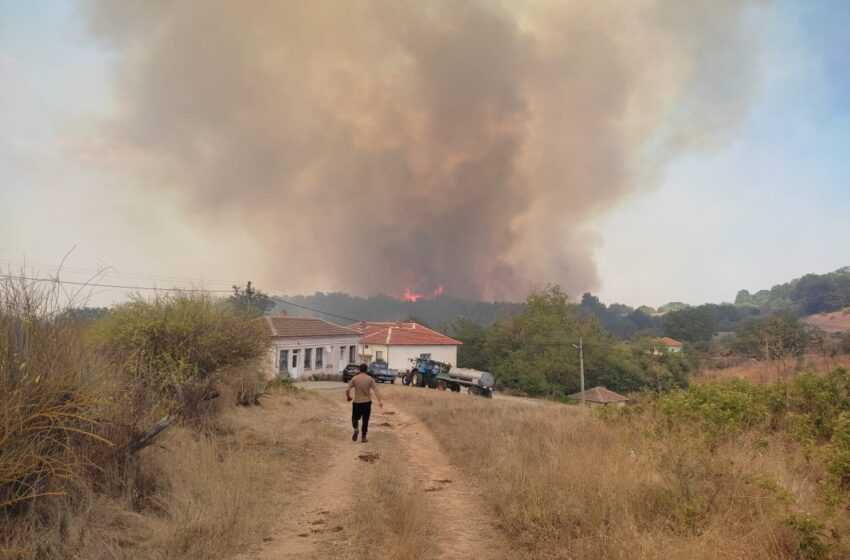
(811, 536)
(820, 400)
(838, 450)
(716, 410)
(49, 397)
(171, 345)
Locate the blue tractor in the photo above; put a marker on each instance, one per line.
(424, 372)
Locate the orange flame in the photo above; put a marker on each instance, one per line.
(410, 295)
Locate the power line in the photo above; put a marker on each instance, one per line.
(100, 285)
(153, 288)
(107, 271)
(352, 319)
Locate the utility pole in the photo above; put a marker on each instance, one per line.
(581, 366)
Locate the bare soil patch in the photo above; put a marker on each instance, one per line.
(369, 457)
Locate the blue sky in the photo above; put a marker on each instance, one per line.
(769, 202)
(772, 203)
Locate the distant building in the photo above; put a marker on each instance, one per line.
(671, 344)
(601, 396)
(302, 347)
(397, 342)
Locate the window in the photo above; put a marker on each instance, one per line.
(351, 357)
(308, 358)
(379, 356)
(425, 356)
(320, 358)
(284, 359)
(341, 355)
(294, 359)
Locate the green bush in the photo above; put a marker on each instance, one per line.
(820, 400)
(175, 343)
(811, 535)
(717, 410)
(838, 451)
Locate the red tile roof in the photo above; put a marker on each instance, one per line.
(600, 395)
(667, 341)
(299, 327)
(400, 334)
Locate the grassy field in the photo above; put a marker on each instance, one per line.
(561, 482)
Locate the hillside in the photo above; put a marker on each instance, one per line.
(436, 313)
(835, 322)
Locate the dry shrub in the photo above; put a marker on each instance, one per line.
(565, 483)
(68, 408)
(50, 400)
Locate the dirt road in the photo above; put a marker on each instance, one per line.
(321, 520)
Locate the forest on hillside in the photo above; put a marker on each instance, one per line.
(813, 293)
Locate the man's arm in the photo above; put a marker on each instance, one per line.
(348, 390)
(377, 394)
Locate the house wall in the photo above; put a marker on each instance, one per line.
(368, 353)
(329, 346)
(398, 357)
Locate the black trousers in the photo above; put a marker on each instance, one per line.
(361, 410)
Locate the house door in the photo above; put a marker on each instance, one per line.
(296, 364)
(341, 358)
(283, 364)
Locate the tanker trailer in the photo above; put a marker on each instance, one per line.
(476, 382)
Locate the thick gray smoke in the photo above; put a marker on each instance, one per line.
(373, 146)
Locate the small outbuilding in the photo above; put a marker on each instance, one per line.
(601, 396)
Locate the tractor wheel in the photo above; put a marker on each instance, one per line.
(433, 381)
(392, 382)
(442, 385)
(455, 388)
(416, 379)
(405, 380)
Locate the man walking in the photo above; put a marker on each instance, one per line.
(362, 383)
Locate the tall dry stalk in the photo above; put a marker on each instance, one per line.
(47, 399)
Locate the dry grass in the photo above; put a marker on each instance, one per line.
(835, 322)
(764, 372)
(565, 483)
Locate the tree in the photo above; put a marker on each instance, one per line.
(777, 339)
(472, 352)
(250, 300)
(693, 324)
(85, 313)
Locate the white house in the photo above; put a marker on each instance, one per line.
(302, 347)
(671, 344)
(397, 342)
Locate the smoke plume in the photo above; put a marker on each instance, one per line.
(383, 145)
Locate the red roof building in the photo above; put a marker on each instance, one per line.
(671, 344)
(667, 341)
(397, 342)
